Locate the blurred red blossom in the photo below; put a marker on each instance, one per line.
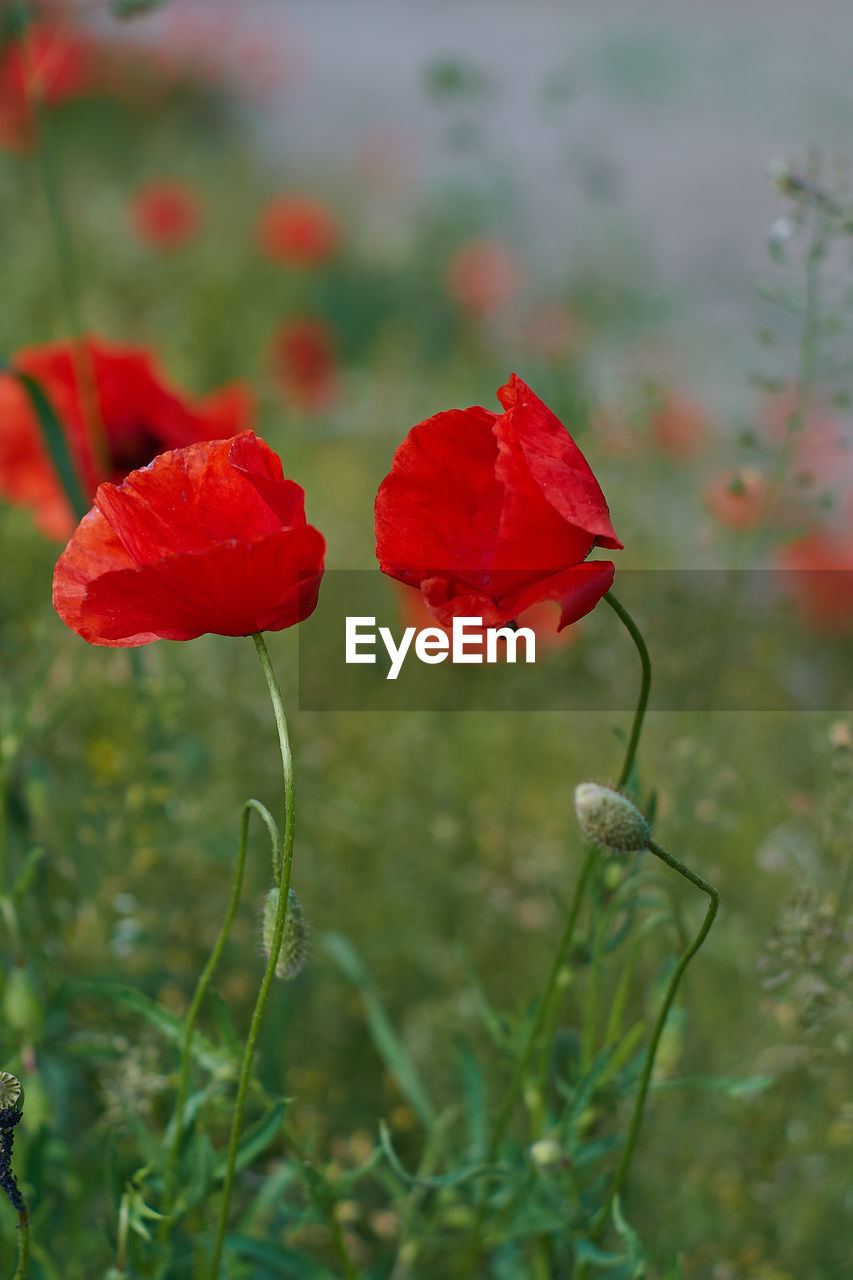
(165, 214)
(679, 425)
(47, 65)
(298, 230)
(483, 276)
(208, 538)
(736, 497)
(116, 411)
(491, 513)
(304, 363)
(553, 331)
(821, 569)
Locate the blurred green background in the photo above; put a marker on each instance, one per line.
(615, 159)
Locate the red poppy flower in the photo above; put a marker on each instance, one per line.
(138, 416)
(821, 575)
(482, 276)
(165, 214)
(304, 363)
(52, 67)
(207, 538)
(679, 426)
(736, 498)
(491, 513)
(298, 230)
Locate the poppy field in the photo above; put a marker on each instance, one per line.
(426, 609)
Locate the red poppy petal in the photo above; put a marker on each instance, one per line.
(438, 509)
(532, 440)
(189, 498)
(577, 590)
(234, 589)
(93, 550)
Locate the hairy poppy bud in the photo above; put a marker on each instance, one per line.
(609, 818)
(294, 940)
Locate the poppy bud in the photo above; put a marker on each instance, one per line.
(609, 818)
(294, 940)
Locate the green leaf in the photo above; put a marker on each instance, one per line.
(257, 1138)
(589, 1253)
(742, 1088)
(474, 1093)
(55, 442)
(168, 1024)
(280, 1261)
(636, 1254)
(382, 1033)
(453, 1179)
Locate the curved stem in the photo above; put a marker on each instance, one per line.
(601, 1218)
(192, 1017)
(23, 1244)
(269, 971)
(645, 685)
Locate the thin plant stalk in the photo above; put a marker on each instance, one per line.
(550, 1008)
(619, 1178)
(543, 1028)
(66, 261)
(23, 1266)
(169, 1176)
(275, 947)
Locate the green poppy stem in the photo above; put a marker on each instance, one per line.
(269, 971)
(543, 1028)
(169, 1175)
(23, 1266)
(600, 1221)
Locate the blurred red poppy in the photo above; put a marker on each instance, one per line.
(482, 276)
(137, 416)
(305, 363)
(491, 513)
(210, 538)
(48, 65)
(165, 214)
(298, 230)
(736, 498)
(821, 576)
(679, 426)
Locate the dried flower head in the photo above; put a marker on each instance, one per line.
(11, 1093)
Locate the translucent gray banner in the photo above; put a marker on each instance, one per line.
(720, 640)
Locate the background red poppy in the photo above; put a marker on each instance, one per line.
(116, 410)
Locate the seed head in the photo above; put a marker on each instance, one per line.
(609, 818)
(11, 1093)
